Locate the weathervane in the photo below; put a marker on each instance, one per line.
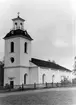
(18, 13)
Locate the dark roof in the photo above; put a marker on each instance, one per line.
(18, 33)
(48, 64)
(18, 18)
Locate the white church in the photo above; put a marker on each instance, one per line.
(20, 67)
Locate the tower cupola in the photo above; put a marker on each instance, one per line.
(18, 29)
(18, 23)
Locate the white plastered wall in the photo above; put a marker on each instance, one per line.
(24, 71)
(15, 54)
(50, 72)
(25, 57)
(14, 73)
(33, 75)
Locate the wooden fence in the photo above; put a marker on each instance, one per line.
(35, 86)
(45, 85)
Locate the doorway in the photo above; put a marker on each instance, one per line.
(12, 84)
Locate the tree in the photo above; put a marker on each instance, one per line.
(74, 70)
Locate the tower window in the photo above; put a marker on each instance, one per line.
(12, 46)
(15, 23)
(20, 23)
(12, 59)
(25, 47)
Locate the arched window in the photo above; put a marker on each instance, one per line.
(20, 25)
(25, 78)
(25, 47)
(43, 78)
(12, 47)
(15, 25)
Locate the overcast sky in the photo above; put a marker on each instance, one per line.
(51, 23)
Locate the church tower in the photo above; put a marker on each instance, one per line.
(17, 52)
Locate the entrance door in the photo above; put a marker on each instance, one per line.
(12, 84)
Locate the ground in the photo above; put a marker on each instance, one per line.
(56, 96)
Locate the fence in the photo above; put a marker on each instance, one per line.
(45, 85)
(35, 86)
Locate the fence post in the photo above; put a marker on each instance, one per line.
(9, 86)
(52, 84)
(22, 86)
(57, 84)
(46, 84)
(34, 85)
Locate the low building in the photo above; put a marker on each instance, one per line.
(47, 71)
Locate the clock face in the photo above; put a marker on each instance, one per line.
(12, 59)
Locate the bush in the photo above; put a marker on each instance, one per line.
(20, 88)
(65, 81)
(7, 86)
(74, 81)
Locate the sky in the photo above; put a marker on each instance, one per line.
(51, 23)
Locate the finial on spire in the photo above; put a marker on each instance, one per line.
(18, 13)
